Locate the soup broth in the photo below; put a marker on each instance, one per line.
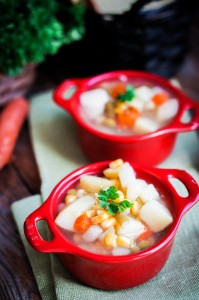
(114, 214)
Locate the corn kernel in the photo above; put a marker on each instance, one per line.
(143, 244)
(136, 208)
(116, 183)
(121, 196)
(111, 173)
(109, 122)
(110, 240)
(96, 206)
(116, 163)
(90, 213)
(135, 249)
(71, 192)
(123, 241)
(70, 198)
(100, 211)
(80, 192)
(108, 223)
(100, 218)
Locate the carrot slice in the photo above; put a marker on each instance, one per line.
(11, 121)
(82, 223)
(128, 117)
(120, 88)
(145, 235)
(160, 98)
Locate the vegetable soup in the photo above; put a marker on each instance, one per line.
(115, 214)
(125, 108)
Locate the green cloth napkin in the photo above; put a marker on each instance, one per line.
(57, 153)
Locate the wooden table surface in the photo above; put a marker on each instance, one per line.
(21, 179)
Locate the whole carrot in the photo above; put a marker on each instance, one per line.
(11, 120)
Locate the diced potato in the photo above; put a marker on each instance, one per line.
(117, 251)
(145, 125)
(129, 227)
(149, 193)
(126, 175)
(139, 105)
(134, 190)
(93, 184)
(167, 110)
(144, 93)
(92, 233)
(155, 215)
(93, 102)
(67, 216)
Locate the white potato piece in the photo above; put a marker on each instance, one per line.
(167, 110)
(129, 227)
(117, 251)
(67, 216)
(144, 93)
(126, 175)
(92, 233)
(139, 105)
(145, 125)
(93, 184)
(155, 215)
(93, 102)
(149, 193)
(134, 190)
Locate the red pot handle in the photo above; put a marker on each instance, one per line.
(183, 203)
(177, 125)
(57, 244)
(60, 91)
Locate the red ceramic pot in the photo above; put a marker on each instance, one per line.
(149, 149)
(112, 272)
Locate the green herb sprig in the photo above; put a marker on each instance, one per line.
(107, 200)
(128, 95)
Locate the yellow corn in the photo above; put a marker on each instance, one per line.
(136, 208)
(123, 241)
(100, 211)
(111, 173)
(71, 192)
(116, 183)
(70, 198)
(80, 192)
(90, 213)
(110, 240)
(96, 207)
(100, 218)
(116, 163)
(143, 244)
(109, 122)
(121, 196)
(108, 223)
(135, 249)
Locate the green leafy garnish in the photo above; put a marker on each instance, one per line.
(128, 95)
(107, 199)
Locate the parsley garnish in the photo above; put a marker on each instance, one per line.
(128, 95)
(107, 198)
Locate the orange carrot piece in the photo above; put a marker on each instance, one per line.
(82, 223)
(120, 88)
(11, 121)
(160, 98)
(145, 235)
(128, 117)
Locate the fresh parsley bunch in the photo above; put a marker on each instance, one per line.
(107, 199)
(32, 29)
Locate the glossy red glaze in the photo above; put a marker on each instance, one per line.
(100, 146)
(112, 272)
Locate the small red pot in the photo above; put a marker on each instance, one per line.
(149, 149)
(112, 272)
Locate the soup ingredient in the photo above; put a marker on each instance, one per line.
(129, 227)
(107, 198)
(126, 175)
(93, 102)
(160, 98)
(11, 121)
(128, 117)
(82, 223)
(92, 184)
(127, 95)
(167, 110)
(67, 217)
(92, 233)
(155, 215)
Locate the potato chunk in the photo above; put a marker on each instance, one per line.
(93, 184)
(66, 218)
(126, 175)
(129, 227)
(135, 189)
(149, 193)
(155, 215)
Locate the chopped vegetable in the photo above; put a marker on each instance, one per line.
(128, 117)
(82, 223)
(145, 235)
(107, 198)
(120, 88)
(11, 121)
(128, 95)
(160, 98)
